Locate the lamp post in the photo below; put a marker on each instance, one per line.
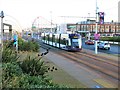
(51, 20)
(2, 16)
(32, 31)
(96, 51)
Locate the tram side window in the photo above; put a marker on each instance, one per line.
(67, 42)
(64, 41)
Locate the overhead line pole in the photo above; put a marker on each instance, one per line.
(2, 16)
(51, 20)
(96, 31)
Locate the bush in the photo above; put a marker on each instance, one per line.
(29, 73)
(114, 39)
(13, 77)
(28, 45)
(10, 72)
(33, 66)
(9, 55)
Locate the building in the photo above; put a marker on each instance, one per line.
(107, 28)
(89, 26)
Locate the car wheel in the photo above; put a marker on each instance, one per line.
(103, 48)
(108, 48)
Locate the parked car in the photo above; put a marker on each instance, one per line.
(103, 45)
(89, 42)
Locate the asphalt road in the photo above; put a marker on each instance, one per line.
(113, 50)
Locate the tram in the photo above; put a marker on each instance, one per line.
(69, 42)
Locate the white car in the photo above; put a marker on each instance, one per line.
(103, 45)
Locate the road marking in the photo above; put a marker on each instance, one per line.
(104, 83)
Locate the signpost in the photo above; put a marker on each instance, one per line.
(97, 36)
(96, 28)
(1, 35)
(101, 17)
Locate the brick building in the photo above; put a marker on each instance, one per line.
(108, 28)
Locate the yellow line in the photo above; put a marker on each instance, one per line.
(105, 83)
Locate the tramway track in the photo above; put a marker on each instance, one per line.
(95, 61)
(95, 67)
(100, 58)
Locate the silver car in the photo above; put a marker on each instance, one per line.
(103, 45)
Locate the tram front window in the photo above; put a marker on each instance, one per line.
(75, 43)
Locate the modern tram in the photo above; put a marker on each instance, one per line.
(69, 42)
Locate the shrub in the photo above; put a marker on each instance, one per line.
(28, 45)
(9, 55)
(114, 39)
(13, 77)
(29, 73)
(33, 66)
(10, 72)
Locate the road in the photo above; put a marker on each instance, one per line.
(113, 50)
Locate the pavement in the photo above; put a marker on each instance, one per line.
(88, 77)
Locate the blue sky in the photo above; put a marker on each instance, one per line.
(24, 12)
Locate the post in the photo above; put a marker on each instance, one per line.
(96, 28)
(2, 16)
(32, 31)
(51, 21)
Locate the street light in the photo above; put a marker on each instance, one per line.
(96, 28)
(51, 20)
(2, 16)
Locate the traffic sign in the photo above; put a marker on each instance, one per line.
(97, 36)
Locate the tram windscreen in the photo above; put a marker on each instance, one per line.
(75, 42)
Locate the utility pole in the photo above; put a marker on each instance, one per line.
(51, 20)
(96, 51)
(2, 16)
(32, 31)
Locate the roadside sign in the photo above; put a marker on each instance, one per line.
(96, 36)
